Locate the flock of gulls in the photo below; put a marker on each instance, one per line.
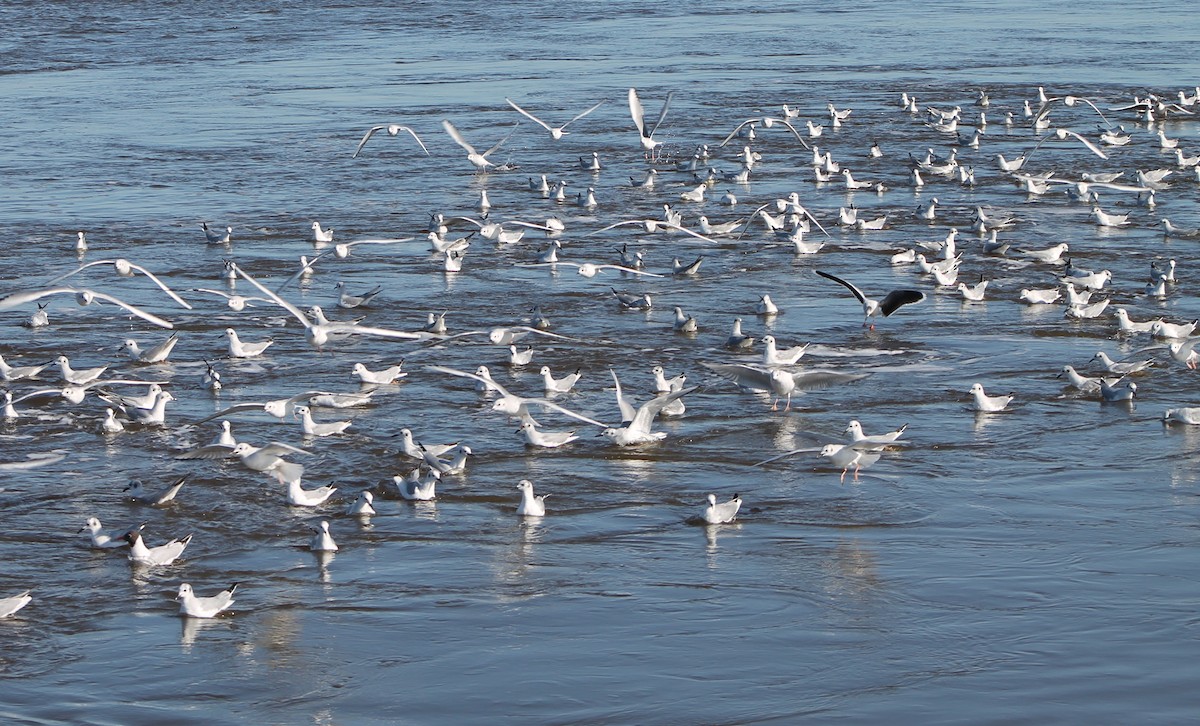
(1069, 152)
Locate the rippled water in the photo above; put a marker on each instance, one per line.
(1029, 565)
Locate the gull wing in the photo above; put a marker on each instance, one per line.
(585, 113)
(662, 114)
(365, 138)
(812, 380)
(637, 112)
(458, 139)
(278, 448)
(745, 376)
(627, 410)
(236, 408)
(739, 128)
(897, 298)
(158, 282)
(378, 332)
(857, 293)
(567, 412)
(528, 115)
(500, 143)
(295, 311)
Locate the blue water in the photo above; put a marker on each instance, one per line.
(1036, 564)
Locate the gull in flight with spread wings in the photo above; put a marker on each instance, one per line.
(639, 120)
(556, 132)
(392, 130)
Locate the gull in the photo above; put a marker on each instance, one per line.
(871, 308)
(531, 505)
(417, 450)
(163, 554)
(17, 373)
(1190, 416)
(545, 439)
(78, 377)
(845, 456)
(647, 182)
(848, 180)
(237, 303)
(766, 306)
(929, 210)
(138, 493)
(81, 244)
(638, 113)
(1104, 219)
(717, 230)
(392, 130)
(1112, 394)
(10, 605)
(457, 466)
(781, 383)
(413, 488)
(1158, 273)
(589, 164)
(518, 358)
(83, 297)
(1075, 299)
(871, 224)
(1157, 288)
(157, 354)
(298, 496)
(312, 428)
(192, 606)
(1116, 137)
(153, 415)
(244, 349)
(480, 161)
(1122, 368)
(318, 334)
(111, 425)
(694, 195)
(772, 356)
(453, 260)
(225, 438)
(213, 237)
(1084, 383)
(684, 323)
(267, 458)
(362, 507)
(989, 404)
(634, 259)
(768, 122)
(322, 541)
(1162, 329)
(560, 385)
(1084, 312)
(106, 540)
(436, 323)
(1185, 162)
(654, 225)
(1170, 230)
(690, 268)
(1091, 281)
(629, 301)
(993, 247)
(1126, 325)
(975, 292)
(348, 301)
(341, 400)
(1050, 255)
(39, 319)
(860, 440)
(125, 268)
(722, 513)
(321, 235)
(906, 257)
(662, 384)
(1185, 354)
(550, 254)
(558, 132)
(737, 339)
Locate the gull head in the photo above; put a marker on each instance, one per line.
(185, 590)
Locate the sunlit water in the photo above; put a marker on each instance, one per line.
(1037, 564)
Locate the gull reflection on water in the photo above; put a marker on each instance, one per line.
(323, 561)
(711, 533)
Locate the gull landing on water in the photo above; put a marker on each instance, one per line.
(638, 113)
(480, 161)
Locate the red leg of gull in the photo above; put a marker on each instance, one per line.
(843, 479)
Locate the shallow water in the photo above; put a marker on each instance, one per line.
(1035, 564)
